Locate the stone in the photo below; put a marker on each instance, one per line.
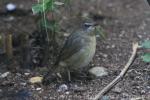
(4, 74)
(98, 71)
(38, 89)
(10, 7)
(117, 90)
(62, 88)
(26, 74)
(137, 98)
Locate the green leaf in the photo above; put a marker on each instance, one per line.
(146, 57)
(37, 8)
(50, 5)
(146, 44)
(43, 6)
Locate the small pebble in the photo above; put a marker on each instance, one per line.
(143, 92)
(107, 46)
(18, 74)
(67, 92)
(58, 3)
(26, 74)
(137, 98)
(22, 83)
(113, 46)
(10, 7)
(85, 15)
(38, 89)
(125, 95)
(98, 71)
(11, 18)
(105, 98)
(62, 96)
(66, 34)
(117, 90)
(62, 88)
(45, 97)
(4, 74)
(140, 36)
(105, 55)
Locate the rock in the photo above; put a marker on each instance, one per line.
(98, 71)
(10, 7)
(18, 74)
(143, 91)
(117, 90)
(11, 18)
(62, 96)
(105, 55)
(4, 74)
(23, 83)
(137, 98)
(62, 88)
(26, 74)
(125, 95)
(105, 98)
(113, 46)
(67, 92)
(58, 3)
(66, 34)
(85, 15)
(38, 89)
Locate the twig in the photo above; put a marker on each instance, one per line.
(8, 46)
(120, 76)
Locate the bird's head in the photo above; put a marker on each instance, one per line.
(89, 28)
(94, 29)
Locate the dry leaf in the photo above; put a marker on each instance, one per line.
(36, 79)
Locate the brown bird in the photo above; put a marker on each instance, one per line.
(76, 54)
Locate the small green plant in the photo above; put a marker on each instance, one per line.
(146, 56)
(100, 31)
(48, 26)
(45, 8)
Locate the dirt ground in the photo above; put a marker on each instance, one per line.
(124, 21)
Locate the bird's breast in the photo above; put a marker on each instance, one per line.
(84, 56)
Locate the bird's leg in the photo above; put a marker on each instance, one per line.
(69, 76)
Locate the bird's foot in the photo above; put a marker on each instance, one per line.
(79, 75)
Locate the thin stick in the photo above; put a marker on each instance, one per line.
(8, 46)
(120, 76)
(44, 18)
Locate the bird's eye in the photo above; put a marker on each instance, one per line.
(87, 25)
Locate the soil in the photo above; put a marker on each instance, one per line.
(124, 21)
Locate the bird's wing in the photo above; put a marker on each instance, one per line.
(73, 44)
